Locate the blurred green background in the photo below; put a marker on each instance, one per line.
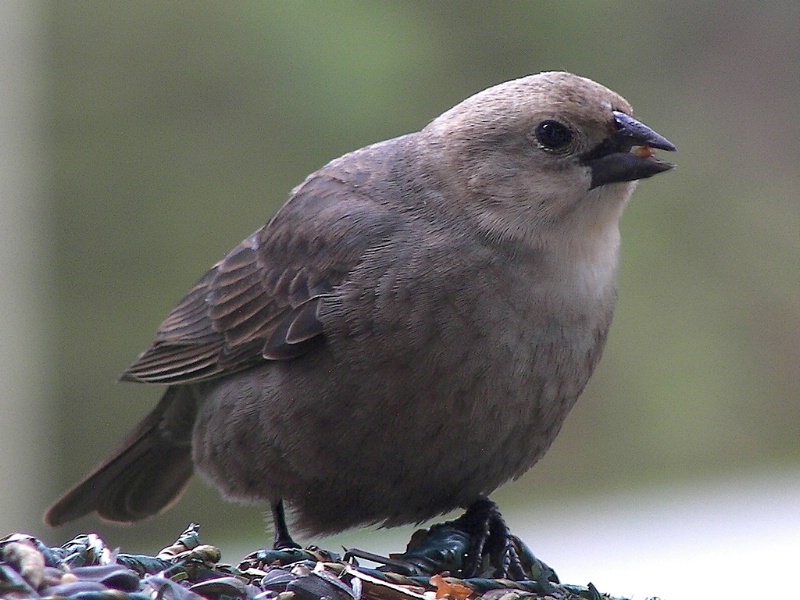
(169, 131)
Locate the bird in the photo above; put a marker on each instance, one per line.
(407, 333)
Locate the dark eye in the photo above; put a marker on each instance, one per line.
(553, 136)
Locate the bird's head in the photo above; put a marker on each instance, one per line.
(544, 151)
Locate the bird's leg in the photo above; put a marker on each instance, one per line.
(284, 549)
(283, 546)
(282, 538)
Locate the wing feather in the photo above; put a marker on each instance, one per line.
(261, 302)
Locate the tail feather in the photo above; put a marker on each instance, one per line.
(146, 474)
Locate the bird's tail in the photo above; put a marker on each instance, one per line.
(146, 474)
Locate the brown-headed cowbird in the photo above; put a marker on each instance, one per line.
(407, 333)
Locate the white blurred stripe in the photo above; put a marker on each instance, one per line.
(721, 539)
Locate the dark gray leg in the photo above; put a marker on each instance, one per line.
(282, 538)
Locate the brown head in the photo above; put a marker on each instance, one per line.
(545, 152)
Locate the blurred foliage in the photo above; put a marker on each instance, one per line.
(178, 128)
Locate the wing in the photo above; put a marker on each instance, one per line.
(261, 302)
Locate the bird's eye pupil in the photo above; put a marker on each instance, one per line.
(552, 135)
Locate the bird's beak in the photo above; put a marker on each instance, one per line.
(627, 154)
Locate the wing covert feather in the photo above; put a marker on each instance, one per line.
(261, 301)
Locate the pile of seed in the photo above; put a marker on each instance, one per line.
(86, 569)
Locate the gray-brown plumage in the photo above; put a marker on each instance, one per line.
(408, 332)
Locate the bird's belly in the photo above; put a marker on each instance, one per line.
(400, 437)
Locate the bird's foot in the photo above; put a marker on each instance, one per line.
(284, 542)
(477, 544)
(493, 552)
